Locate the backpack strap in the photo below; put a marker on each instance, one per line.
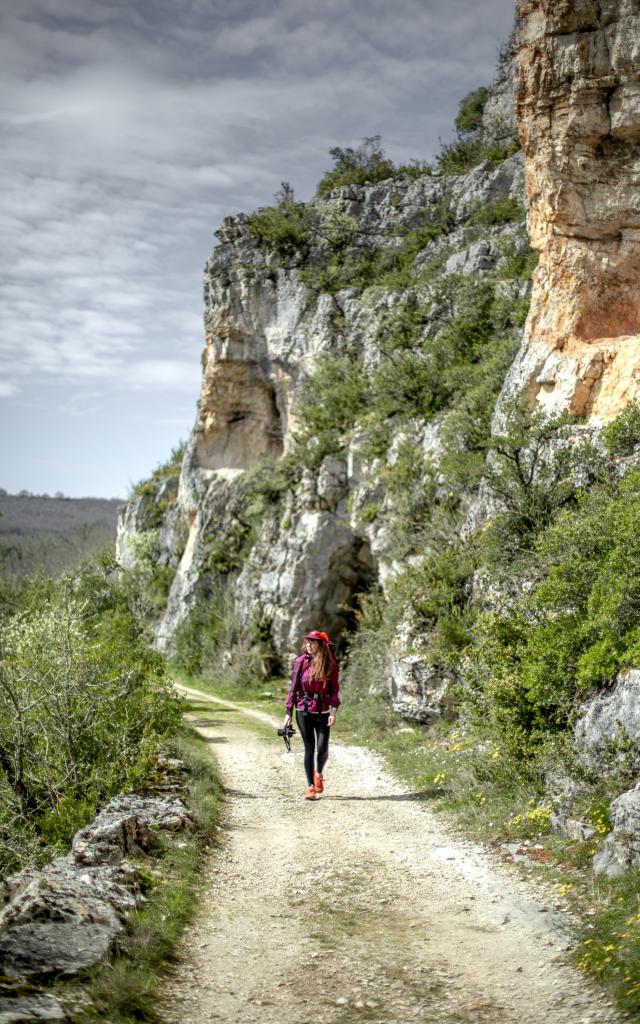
(297, 688)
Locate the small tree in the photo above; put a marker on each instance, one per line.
(470, 111)
(282, 228)
(534, 469)
(366, 163)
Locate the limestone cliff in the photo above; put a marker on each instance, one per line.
(363, 353)
(429, 242)
(578, 107)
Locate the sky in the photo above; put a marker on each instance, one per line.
(128, 130)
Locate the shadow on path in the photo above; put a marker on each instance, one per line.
(392, 797)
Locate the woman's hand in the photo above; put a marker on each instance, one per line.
(332, 717)
(287, 721)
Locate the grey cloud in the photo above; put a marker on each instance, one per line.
(129, 130)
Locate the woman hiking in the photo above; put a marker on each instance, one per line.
(315, 695)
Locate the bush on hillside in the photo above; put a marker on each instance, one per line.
(211, 642)
(283, 228)
(170, 469)
(622, 435)
(472, 145)
(576, 627)
(537, 466)
(471, 109)
(364, 165)
(84, 702)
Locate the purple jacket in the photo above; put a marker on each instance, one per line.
(301, 684)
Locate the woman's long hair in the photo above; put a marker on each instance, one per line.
(322, 662)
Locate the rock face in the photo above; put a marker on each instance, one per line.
(31, 1009)
(578, 107)
(608, 727)
(621, 848)
(330, 537)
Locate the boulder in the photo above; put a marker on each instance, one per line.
(621, 848)
(31, 1009)
(609, 725)
(565, 793)
(61, 919)
(122, 828)
(420, 691)
(65, 917)
(110, 838)
(164, 812)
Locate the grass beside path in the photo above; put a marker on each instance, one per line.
(125, 990)
(487, 796)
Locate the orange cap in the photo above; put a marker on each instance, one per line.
(315, 634)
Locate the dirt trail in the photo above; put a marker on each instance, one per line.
(358, 906)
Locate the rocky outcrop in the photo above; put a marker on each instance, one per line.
(621, 848)
(607, 730)
(329, 536)
(265, 333)
(18, 1009)
(65, 917)
(421, 691)
(578, 107)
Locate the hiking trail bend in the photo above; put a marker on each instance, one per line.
(359, 906)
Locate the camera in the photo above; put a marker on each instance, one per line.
(287, 731)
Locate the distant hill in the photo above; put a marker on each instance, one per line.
(46, 535)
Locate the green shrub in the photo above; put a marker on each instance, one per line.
(364, 165)
(470, 111)
(411, 484)
(331, 400)
(466, 429)
(369, 653)
(622, 435)
(460, 156)
(517, 263)
(211, 642)
(473, 145)
(208, 629)
(20, 844)
(503, 211)
(533, 471)
(436, 591)
(83, 701)
(150, 578)
(497, 152)
(170, 469)
(465, 153)
(577, 627)
(283, 228)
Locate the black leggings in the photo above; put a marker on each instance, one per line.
(310, 726)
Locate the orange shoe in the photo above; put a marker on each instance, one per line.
(318, 782)
(311, 793)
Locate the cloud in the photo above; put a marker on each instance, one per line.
(169, 374)
(8, 388)
(129, 130)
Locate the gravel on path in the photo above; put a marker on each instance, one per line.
(357, 907)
